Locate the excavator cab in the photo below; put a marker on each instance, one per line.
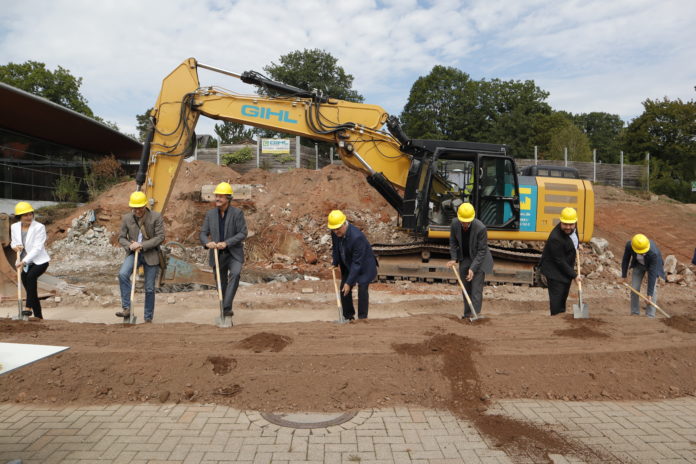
(456, 175)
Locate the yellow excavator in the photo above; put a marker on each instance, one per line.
(424, 180)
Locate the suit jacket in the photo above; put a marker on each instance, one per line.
(480, 255)
(154, 228)
(235, 232)
(360, 264)
(653, 262)
(35, 245)
(558, 257)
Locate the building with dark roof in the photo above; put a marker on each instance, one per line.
(40, 141)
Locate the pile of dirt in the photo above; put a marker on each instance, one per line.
(684, 323)
(265, 341)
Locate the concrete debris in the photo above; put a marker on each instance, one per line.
(599, 245)
(671, 264)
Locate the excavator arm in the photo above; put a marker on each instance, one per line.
(355, 129)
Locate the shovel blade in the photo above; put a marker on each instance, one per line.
(580, 311)
(130, 319)
(224, 322)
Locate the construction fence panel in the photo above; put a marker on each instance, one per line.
(634, 175)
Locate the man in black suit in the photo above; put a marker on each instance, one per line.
(225, 228)
(558, 260)
(469, 248)
(353, 254)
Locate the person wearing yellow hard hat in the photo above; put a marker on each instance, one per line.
(558, 260)
(643, 257)
(469, 250)
(352, 254)
(224, 228)
(141, 230)
(28, 240)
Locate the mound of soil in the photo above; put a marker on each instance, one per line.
(684, 323)
(265, 341)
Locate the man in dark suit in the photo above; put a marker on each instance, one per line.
(224, 228)
(642, 255)
(558, 260)
(141, 230)
(353, 254)
(469, 248)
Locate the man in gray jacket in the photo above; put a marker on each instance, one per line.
(141, 230)
(224, 229)
(469, 248)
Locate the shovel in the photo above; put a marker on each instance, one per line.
(340, 320)
(466, 294)
(646, 299)
(20, 313)
(130, 319)
(580, 310)
(222, 320)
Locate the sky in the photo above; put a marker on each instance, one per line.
(592, 55)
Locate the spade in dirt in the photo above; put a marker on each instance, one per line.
(21, 314)
(466, 295)
(340, 320)
(222, 320)
(580, 310)
(130, 318)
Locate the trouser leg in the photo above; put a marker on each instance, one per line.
(30, 282)
(125, 274)
(230, 273)
(363, 300)
(475, 289)
(150, 279)
(650, 309)
(636, 280)
(347, 302)
(558, 295)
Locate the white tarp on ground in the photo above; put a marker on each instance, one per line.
(15, 355)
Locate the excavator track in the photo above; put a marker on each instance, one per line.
(427, 262)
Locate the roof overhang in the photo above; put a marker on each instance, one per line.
(34, 116)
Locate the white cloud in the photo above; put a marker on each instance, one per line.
(596, 55)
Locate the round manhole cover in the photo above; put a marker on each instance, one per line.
(309, 420)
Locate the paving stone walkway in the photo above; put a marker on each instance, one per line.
(659, 432)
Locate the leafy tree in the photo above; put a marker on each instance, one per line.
(448, 104)
(666, 130)
(605, 133)
(143, 125)
(571, 137)
(314, 69)
(58, 86)
(233, 132)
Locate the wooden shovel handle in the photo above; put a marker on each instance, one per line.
(466, 294)
(646, 299)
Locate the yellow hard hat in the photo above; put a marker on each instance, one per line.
(569, 216)
(336, 219)
(223, 188)
(640, 244)
(137, 200)
(465, 212)
(23, 208)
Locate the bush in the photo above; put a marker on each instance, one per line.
(67, 188)
(102, 174)
(240, 156)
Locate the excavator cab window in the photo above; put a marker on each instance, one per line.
(457, 187)
(498, 202)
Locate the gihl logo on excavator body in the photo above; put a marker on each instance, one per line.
(266, 113)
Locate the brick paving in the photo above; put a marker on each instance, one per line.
(660, 432)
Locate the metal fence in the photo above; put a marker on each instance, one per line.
(631, 176)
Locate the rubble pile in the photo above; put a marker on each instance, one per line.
(86, 246)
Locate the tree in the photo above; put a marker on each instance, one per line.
(605, 133)
(666, 130)
(448, 104)
(314, 69)
(571, 137)
(233, 132)
(58, 86)
(143, 125)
